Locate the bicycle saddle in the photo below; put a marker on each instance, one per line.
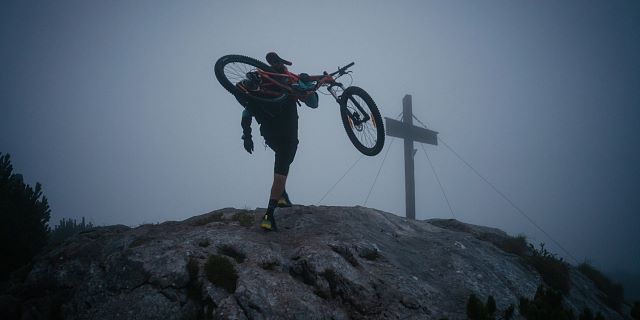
(273, 58)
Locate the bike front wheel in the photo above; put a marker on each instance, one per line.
(362, 121)
(230, 70)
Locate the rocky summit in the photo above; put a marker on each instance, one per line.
(324, 263)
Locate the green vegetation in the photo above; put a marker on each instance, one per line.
(244, 217)
(220, 271)
(232, 252)
(193, 269)
(476, 310)
(614, 292)
(212, 217)
(547, 304)
(554, 271)
(332, 278)
(269, 265)
(635, 310)
(194, 286)
(24, 220)
(67, 228)
(517, 245)
(371, 254)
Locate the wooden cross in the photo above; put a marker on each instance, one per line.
(406, 130)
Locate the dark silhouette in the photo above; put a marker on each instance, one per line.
(67, 228)
(24, 214)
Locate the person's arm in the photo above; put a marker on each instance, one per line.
(246, 130)
(246, 124)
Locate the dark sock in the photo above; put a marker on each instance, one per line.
(272, 206)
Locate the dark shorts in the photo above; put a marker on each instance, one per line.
(285, 150)
(280, 131)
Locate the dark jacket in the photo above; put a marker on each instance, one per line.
(277, 122)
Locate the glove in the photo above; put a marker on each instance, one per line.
(248, 143)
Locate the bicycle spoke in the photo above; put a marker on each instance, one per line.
(365, 132)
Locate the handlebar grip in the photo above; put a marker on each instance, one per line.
(342, 70)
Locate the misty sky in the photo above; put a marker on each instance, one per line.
(114, 108)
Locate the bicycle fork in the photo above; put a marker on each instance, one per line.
(354, 116)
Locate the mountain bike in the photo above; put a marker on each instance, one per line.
(255, 81)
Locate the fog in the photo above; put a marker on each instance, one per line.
(114, 108)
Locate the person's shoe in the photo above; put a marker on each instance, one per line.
(268, 223)
(284, 201)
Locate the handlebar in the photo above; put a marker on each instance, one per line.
(343, 69)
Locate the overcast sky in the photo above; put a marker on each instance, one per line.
(114, 108)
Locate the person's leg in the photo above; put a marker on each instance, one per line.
(277, 188)
(284, 153)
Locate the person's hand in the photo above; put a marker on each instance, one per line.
(248, 144)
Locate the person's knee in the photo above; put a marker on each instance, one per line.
(281, 168)
(285, 154)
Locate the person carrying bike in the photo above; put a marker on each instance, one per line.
(279, 128)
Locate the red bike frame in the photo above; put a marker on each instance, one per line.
(270, 83)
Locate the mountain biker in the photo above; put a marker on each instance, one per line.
(279, 128)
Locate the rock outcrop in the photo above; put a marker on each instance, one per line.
(324, 263)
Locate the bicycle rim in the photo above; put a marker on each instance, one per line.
(231, 70)
(367, 136)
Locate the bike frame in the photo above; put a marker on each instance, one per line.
(325, 79)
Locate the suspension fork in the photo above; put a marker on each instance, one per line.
(354, 118)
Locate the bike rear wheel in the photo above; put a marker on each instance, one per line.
(362, 121)
(233, 69)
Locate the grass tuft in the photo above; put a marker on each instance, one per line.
(232, 252)
(614, 292)
(244, 217)
(220, 271)
(554, 271)
(516, 245)
(213, 217)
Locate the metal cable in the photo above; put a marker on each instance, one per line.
(503, 196)
(511, 203)
(379, 169)
(335, 184)
(438, 179)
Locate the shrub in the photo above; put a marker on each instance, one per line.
(369, 253)
(587, 314)
(547, 304)
(508, 314)
(67, 228)
(244, 217)
(232, 252)
(478, 311)
(554, 270)
(491, 305)
(212, 217)
(193, 269)
(635, 310)
(269, 265)
(516, 245)
(220, 271)
(24, 219)
(333, 279)
(475, 309)
(614, 292)
(193, 287)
